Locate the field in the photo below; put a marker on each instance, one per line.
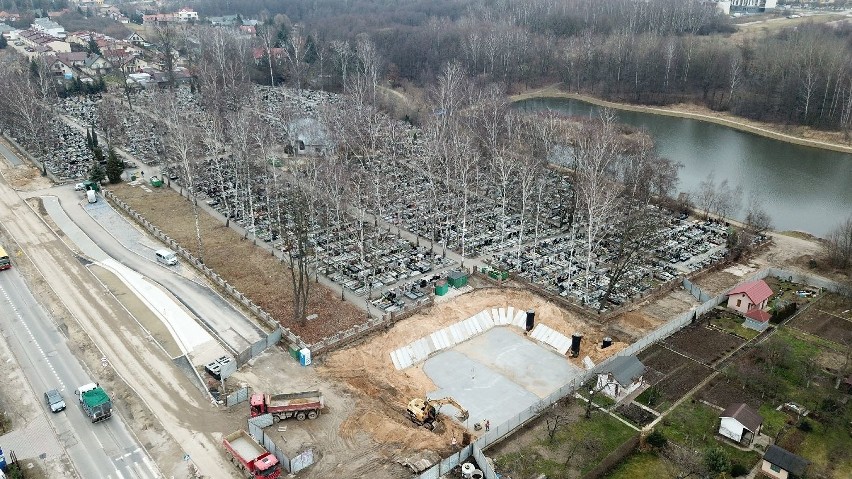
(829, 317)
(256, 274)
(733, 324)
(670, 375)
(703, 344)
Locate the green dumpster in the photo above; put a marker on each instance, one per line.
(294, 351)
(132, 177)
(441, 287)
(457, 279)
(156, 182)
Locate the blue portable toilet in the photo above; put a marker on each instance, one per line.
(2, 461)
(304, 356)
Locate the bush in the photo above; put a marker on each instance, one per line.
(738, 470)
(805, 426)
(716, 460)
(657, 439)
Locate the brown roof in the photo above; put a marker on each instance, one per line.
(758, 315)
(746, 416)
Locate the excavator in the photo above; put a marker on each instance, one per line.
(424, 412)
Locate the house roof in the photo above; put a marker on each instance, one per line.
(758, 315)
(756, 291)
(625, 368)
(745, 415)
(785, 460)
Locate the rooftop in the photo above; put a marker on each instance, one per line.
(785, 460)
(756, 291)
(746, 416)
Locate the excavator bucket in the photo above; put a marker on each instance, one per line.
(463, 416)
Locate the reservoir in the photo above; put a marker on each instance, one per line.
(801, 188)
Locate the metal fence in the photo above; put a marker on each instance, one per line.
(259, 347)
(255, 430)
(237, 397)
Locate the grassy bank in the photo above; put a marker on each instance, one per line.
(693, 112)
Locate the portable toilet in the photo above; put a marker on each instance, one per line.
(294, 351)
(305, 357)
(457, 279)
(441, 287)
(2, 461)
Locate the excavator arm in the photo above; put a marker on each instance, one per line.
(437, 403)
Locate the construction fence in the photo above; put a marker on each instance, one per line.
(294, 465)
(236, 397)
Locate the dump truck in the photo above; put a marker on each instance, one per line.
(94, 401)
(250, 456)
(424, 412)
(282, 406)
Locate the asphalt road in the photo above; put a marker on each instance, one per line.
(231, 326)
(102, 450)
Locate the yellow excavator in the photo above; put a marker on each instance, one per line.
(424, 412)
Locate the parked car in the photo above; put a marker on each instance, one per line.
(54, 400)
(79, 187)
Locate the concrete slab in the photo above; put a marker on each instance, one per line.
(498, 374)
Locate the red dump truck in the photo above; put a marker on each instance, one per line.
(282, 406)
(250, 456)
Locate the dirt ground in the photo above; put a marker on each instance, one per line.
(257, 275)
(654, 314)
(381, 392)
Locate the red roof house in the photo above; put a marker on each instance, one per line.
(748, 296)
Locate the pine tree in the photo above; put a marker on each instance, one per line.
(114, 167)
(88, 139)
(95, 140)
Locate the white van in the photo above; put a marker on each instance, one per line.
(92, 196)
(166, 256)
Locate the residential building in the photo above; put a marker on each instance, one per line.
(750, 295)
(623, 376)
(96, 65)
(223, 21)
(752, 6)
(49, 27)
(9, 17)
(740, 423)
(186, 14)
(135, 39)
(779, 463)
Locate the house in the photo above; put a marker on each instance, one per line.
(223, 21)
(752, 6)
(757, 319)
(259, 54)
(623, 376)
(780, 463)
(60, 68)
(136, 39)
(9, 17)
(186, 14)
(96, 65)
(750, 295)
(49, 27)
(248, 30)
(740, 423)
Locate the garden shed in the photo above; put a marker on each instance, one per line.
(740, 423)
(757, 319)
(457, 279)
(780, 463)
(622, 377)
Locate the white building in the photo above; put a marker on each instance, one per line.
(752, 6)
(740, 423)
(622, 377)
(187, 14)
(48, 26)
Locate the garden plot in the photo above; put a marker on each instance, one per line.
(829, 317)
(703, 344)
(671, 375)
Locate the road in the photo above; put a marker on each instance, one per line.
(168, 415)
(103, 450)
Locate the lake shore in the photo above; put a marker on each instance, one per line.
(693, 112)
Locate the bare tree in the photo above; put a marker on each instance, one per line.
(838, 244)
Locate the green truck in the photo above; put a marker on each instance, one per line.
(95, 402)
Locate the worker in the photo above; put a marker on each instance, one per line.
(454, 440)
(487, 425)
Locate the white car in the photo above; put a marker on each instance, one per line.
(79, 187)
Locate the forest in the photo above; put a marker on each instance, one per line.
(656, 52)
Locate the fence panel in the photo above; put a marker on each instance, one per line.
(237, 397)
(483, 463)
(301, 461)
(433, 472)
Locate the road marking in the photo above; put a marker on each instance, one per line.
(32, 338)
(120, 475)
(149, 465)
